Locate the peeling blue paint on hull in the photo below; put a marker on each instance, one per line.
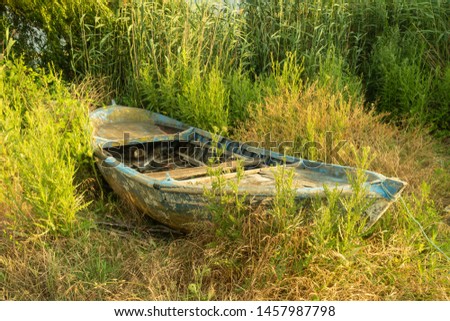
(158, 164)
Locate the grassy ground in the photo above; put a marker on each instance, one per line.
(289, 73)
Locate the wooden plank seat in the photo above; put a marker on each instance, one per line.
(192, 172)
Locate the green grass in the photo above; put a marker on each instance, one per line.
(286, 69)
(149, 51)
(45, 137)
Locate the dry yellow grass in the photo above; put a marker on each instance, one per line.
(309, 114)
(114, 265)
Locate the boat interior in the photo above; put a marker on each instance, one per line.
(193, 163)
(187, 155)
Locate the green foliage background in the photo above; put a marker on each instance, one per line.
(150, 51)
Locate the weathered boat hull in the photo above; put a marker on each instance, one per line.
(181, 203)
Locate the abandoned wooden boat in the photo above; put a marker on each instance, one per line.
(160, 165)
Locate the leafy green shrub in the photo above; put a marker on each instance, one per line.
(226, 203)
(439, 100)
(404, 82)
(203, 101)
(45, 137)
(285, 209)
(244, 93)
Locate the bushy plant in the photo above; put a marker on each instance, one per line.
(45, 138)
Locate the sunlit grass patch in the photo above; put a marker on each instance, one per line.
(45, 139)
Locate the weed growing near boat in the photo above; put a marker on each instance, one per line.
(226, 203)
(45, 138)
(285, 209)
(339, 222)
